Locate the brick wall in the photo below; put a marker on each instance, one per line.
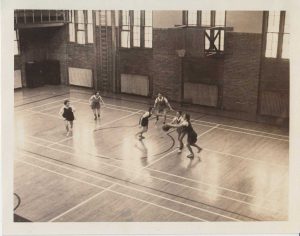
(241, 71)
(166, 63)
(137, 61)
(40, 44)
(274, 88)
(275, 74)
(33, 47)
(57, 49)
(194, 42)
(205, 70)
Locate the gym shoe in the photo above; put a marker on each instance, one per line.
(199, 150)
(191, 156)
(179, 150)
(68, 133)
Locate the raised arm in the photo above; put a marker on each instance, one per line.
(102, 100)
(91, 99)
(168, 104)
(61, 111)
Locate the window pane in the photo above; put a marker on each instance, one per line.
(285, 46)
(103, 18)
(217, 39)
(286, 23)
(148, 18)
(80, 26)
(137, 18)
(136, 36)
(273, 21)
(220, 18)
(125, 27)
(80, 17)
(81, 37)
(148, 37)
(271, 46)
(72, 32)
(222, 41)
(90, 33)
(108, 18)
(205, 18)
(192, 17)
(125, 18)
(125, 39)
(117, 18)
(90, 16)
(207, 42)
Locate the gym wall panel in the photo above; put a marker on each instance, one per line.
(81, 77)
(135, 84)
(201, 94)
(18, 79)
(274, 104)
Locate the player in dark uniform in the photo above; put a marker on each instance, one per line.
(144, 121)
(191, 134)
(161, 107)
(94, 102)
(67, 112)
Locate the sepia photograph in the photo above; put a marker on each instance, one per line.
(150, 115)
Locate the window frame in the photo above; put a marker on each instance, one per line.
(17, 40)
(211, 33)
(131, 27)
(74, 23)
(281, 33)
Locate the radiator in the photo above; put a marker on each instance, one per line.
(274, 104)
(201, 94)
(17, 79)
(135, 84)
(81, 77)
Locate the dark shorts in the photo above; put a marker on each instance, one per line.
(95, 105)
(144, 122)
(192, 138)
(161, 110)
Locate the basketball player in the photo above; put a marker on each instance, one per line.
(67, 112)
(191, 134)
(94, 102)
(178, 119)
(161, 106)
(144, 121)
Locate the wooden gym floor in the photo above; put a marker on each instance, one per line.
(103, 173)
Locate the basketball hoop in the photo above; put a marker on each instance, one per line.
(180, 52)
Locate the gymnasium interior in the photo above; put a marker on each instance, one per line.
(228, 69)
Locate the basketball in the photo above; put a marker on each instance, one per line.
(166, 128)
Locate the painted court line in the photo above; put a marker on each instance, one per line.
(113, 121)
(138, 171)
(42, 105)
(236, 127)
(166, 173)
(135, 189)
(242, 132)
(113, 191)
(80, 204)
